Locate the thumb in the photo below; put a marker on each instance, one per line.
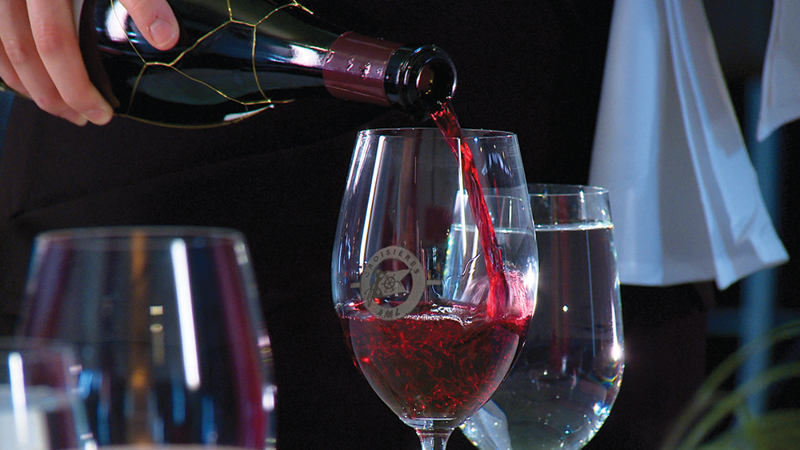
(155, 20)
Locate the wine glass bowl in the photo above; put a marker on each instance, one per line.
(433, 280)
(567, 377)
(167, 326)
(39, 406)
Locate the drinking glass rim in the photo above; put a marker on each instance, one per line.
(150, 232)
(406, 132)
(563, 190)
(20, 343)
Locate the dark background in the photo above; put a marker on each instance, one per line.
(740, 30)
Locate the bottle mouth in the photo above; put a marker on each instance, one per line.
(436, 82)
(419, 79)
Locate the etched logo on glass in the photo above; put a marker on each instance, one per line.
(392, 283)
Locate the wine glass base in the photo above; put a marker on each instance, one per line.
(432, 425)
(434, 440)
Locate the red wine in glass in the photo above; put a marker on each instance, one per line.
(444, 365)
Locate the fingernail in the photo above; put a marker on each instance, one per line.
(162, 32)
(98, 116)
(78, 120)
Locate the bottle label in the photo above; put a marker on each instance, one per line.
(355, 68)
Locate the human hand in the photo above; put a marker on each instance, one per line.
(40, 57)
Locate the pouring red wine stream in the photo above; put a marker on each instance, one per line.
(447, 122)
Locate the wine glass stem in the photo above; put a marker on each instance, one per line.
(434, 440)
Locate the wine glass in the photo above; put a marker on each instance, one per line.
(39, 406)
(567, 377)
(434, 303)
(167, 326)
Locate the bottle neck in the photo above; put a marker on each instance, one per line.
(366, 69)
(356, 66)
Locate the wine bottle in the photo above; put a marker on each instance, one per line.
(235, 58)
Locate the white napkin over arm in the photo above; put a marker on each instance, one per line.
(685, 198)
(780, 83)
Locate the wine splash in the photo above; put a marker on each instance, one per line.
(447, 122)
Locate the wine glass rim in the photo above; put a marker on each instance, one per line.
(557, 189)
(435, 132)
(147, 231)
(10, 344)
